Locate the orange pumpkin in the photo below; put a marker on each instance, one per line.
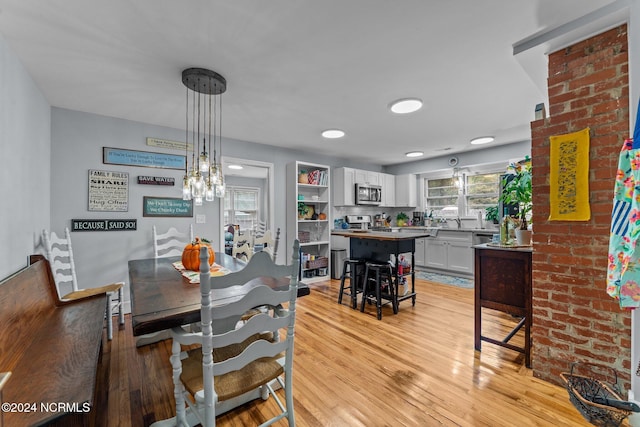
(191, 254)
(322, 216)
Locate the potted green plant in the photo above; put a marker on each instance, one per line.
(402, 219)
(518, 190)
(303, 210)
(491, 214)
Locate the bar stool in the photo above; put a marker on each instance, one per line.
(374, 276)
(355, 283)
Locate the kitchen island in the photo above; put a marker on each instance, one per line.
(378, 246)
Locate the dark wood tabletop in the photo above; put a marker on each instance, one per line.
(381, 235)
(161, 298)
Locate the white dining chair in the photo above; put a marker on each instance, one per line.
(170, 243)
(59, 252)
(167, 244)
(267, 243)
(236, 358)
(241, 246)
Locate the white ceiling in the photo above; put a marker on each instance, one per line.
(297, 67)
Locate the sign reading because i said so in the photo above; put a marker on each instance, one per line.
(103, 224)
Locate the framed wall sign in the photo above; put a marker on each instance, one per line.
(104, 224)
(166, 206)
(108, 191)
(156, 180)
(167, 143)
(121, 156)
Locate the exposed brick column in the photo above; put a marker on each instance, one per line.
(574, 318)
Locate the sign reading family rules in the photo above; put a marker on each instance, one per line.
(108, 191)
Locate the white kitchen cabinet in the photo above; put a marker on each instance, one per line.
(406, 193)
(388, 183)
(419, 254)
(305, 197)
(367, 177)
(449, 250)
(435, 253)
(344, 180)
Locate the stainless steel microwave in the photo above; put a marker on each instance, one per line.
(367, 194)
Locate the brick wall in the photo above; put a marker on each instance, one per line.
(574, 318)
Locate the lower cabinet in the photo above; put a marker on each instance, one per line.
(449, 250)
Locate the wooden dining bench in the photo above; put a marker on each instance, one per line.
(52, 349)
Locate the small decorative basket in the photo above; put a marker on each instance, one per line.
(598, 403)
(304, 236)
(319, 262)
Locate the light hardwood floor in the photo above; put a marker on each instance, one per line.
(416, 368)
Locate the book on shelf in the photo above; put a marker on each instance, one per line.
(318, 177)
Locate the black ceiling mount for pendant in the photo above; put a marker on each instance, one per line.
(204, 81)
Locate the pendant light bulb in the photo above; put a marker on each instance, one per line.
(210, 193)
(204, 162)
(220, 188)
(186, 188)
(213, 173)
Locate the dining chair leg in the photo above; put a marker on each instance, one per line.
(109, 319)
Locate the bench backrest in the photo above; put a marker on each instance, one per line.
(51, 347)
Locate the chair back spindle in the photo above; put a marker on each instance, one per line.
(170, 243)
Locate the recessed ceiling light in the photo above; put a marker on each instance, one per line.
(482, 140)
(414, 154)
(333, 133)
(238, 167)
(406, 105)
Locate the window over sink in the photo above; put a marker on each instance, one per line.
(462, 193)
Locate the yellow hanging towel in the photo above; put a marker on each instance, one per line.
(569, 177)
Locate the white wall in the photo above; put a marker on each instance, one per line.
(488, 154)
(77, 140)
(25, 144)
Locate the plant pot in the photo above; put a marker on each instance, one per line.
(523, 237)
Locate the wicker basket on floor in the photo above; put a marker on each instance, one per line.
(594, 399)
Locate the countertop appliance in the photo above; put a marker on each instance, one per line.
(368, 194)
(418, 218)
(359, 222)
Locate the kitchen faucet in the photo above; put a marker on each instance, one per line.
(459, 222)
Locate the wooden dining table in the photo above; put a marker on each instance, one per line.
(161, 298)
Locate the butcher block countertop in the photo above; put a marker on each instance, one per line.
(381, 235)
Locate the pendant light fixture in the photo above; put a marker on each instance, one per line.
(203, 178)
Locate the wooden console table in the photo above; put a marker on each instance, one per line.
(503, 283)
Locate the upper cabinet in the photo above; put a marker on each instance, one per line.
(406, 193)
(388, 190)
(344, 180)
(397, 191)
(367, 177)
